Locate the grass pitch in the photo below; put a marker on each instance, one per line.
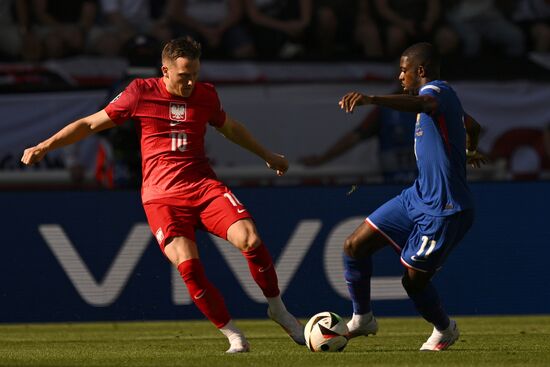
(485, 341)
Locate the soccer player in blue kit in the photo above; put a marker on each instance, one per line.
(427, 220)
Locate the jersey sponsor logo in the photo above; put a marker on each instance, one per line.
(177, 112)
(241, 211)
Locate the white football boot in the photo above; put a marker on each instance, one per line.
(238, 344)
(237, 340)
(290, 324)
(441, 340)
(362, 325)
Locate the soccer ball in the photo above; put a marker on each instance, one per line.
(326, 332)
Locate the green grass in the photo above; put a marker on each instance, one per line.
(485, 341)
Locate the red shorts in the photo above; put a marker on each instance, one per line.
(211, 207)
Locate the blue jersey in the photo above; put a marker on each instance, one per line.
(440, 148)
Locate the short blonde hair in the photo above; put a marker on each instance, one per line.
(181, 47)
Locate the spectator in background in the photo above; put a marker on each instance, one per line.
(407, 21)
(367, 34)
(478, 21)
(121, 21)
(214, 23)
(64, 25)
(18, 39)
(533, 16)
(340, 26)
(279, 26)
(91, 161)
(395, 133)
(11, 28)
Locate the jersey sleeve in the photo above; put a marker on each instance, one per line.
(217, 118)
(437, 93)
(122, 107)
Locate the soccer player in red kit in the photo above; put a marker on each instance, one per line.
(180, 191)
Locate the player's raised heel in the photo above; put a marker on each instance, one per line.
(363, 326)
(441, 340)
(290, 324)
(238, 345)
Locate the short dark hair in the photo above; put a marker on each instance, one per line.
(185, 47)
(424, 54)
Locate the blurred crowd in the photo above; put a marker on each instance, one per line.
(36, 30)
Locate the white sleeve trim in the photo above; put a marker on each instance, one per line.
(433, 87)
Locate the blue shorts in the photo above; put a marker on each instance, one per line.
(425, 241)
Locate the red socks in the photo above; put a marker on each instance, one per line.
(262, 270)
(206, 297)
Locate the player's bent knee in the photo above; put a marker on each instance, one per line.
(246, 242)
(358, 248)
(351, 247)
(412, 286)
(180, 249)
(243, 235)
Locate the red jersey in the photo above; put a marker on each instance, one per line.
(171, 131)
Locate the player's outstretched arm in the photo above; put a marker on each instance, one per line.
(70, 134)
(400, 102)
(473, 129)
(238, 134)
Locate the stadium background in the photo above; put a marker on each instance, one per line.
(78, 248)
